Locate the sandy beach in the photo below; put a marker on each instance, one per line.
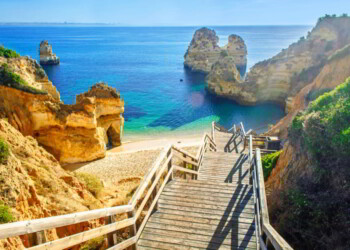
(132, 160)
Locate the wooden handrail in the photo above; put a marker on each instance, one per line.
(263, 221)
(33, 226)
(139, 191)
(149, 185)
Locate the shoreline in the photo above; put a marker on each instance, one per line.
(131, 146)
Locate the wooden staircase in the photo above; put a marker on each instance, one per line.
(221, 203)
(216, 211)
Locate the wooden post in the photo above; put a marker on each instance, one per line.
(40, 238)
(111, 237)
(133, 229)
(169, 166)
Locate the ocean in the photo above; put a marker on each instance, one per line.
(146, 64)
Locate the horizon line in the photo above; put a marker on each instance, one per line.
(127, 25)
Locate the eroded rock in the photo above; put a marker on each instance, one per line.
(47, 57)
(204, 51)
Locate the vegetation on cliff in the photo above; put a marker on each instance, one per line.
(8, 53)
(312, 208)
(269, 163)
(12, 80)
(4, 151)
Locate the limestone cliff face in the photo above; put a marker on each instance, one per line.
(31, 72)
(34, 185)
(72, 133)
(47, 57)
(334, 72)
(280, 78)
(204, 51)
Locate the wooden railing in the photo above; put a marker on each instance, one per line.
(138, 210)
(266, 234)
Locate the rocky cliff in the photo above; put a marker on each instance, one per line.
(47, 57)
(309, 188)
(204, 51)
(72, 133)
(33, 185)
(280, 78)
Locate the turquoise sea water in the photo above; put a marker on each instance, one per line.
(146, 65)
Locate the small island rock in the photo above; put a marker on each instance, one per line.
(204, 51)
(47, 57)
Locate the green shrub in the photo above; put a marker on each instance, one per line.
(269, 162)
(12, 80)
(5, 214)
(314, 94)
(93, 244)
(7, 53)
(92, 183)
(4, 151)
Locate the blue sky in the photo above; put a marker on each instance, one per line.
(172, 12)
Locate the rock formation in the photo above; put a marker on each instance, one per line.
(33, 185)
(204, 51)
(222, 76)
(47, 57)
(280, 78)
(72, 133)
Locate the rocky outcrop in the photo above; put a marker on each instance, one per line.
(47, 57)
(32, 73)
(72, 133)
(222, 76)
(33, 185)
(204, 51)
(284, 75)
(334, 72)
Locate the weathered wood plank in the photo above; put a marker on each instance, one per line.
(277, 241)
(186, 170)
(31, 226)
(185, 242)
(182, 151)
(154, 184)
(124, 244)
(185, 159)
(205, 197)
(221, 239)
(240, 228)
(141, 189)
(187, 214)
(238, 212)
(84, 236)
(197, 183)
(206, 202)
(154, 203)
(235, 206)
(243, 188)
(209, 221)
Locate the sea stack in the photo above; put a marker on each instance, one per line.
(204, 51)
(47, 57)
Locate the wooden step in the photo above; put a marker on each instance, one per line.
(210, 221)
(232, 202)
(233, 213)
(213, 185)
(242, 228)
(220, 239)
(196, 182)
(222, 179)
(189, 188)
(241, 218)
(205, 197)
(153, 244)
(232, 206)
